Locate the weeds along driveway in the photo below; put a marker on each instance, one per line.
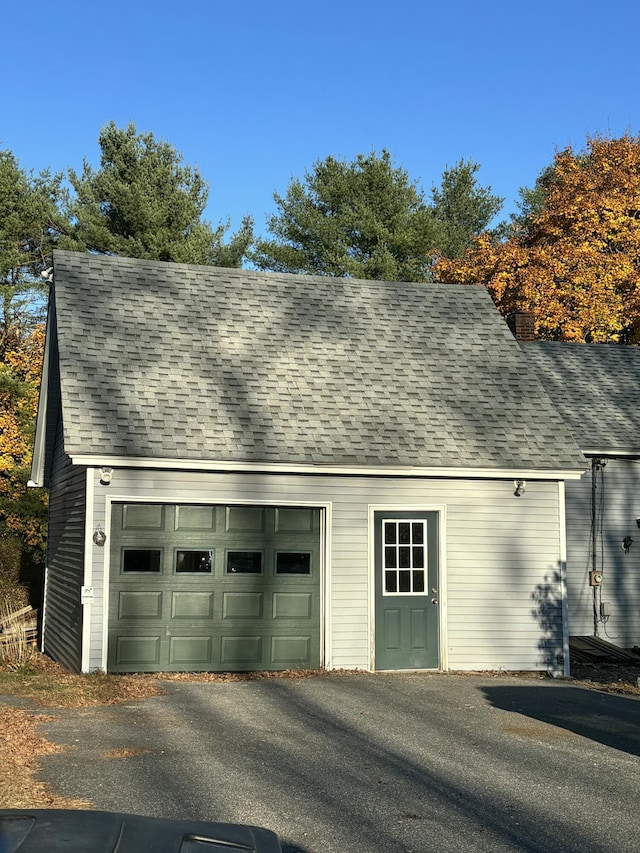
(355, 763)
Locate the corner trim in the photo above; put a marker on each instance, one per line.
(87, 608)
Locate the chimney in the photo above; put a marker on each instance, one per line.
(522, 325)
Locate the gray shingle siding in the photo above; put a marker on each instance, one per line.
(202, 363)
(65, 559)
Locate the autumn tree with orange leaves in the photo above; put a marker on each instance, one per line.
(573, 259)
(30, 222)
(21, 509)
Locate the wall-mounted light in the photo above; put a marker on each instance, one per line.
(99, 536)
(627, 542)
(106, 475)
(520, 486)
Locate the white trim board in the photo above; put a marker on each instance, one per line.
(441, 510)
(224, 466)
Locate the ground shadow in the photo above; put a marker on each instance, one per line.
(610, 720)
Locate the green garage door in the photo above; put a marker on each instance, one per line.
(218, 588)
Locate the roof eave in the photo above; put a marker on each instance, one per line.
(612, 452)
(225, 466)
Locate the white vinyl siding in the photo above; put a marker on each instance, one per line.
(501, 569)
(618, 492)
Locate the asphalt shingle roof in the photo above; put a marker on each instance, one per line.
(203, 363)
(596, 389)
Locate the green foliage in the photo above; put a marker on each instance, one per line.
(22, 509)
(364, 219)
(462, 208)
(367, 219)
(530, 206)
(30, 225)
(144, 202)
(11, 558)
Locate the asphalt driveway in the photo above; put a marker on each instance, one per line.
(354, 763)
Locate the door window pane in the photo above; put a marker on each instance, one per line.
(405, 581)
(418, 581)
(390, 582)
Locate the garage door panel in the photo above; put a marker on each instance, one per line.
(291, 651)
(138, 650)
(293, 520)
(191, 651)
(242, 605)
(242, 651)
(140, 605)
(292, 605)
(189, 517)
(143, 517)
(245, 518)
(191, 605)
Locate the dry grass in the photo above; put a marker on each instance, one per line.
(221, 677)
(17, 632)
(125, 752)
(20, 748)
(46, 683)
(40, 680)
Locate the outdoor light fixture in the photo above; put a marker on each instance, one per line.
(627, 542)
(105, 476)
(99, 536)
(520, 486)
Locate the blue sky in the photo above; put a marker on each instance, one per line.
(254, 93)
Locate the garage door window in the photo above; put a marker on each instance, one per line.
(194, 562)
(244, 563)
(141, 559)
(293, 563)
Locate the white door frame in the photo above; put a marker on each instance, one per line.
(441, 511)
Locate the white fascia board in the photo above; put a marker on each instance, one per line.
(143, 462)
(39, 444)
